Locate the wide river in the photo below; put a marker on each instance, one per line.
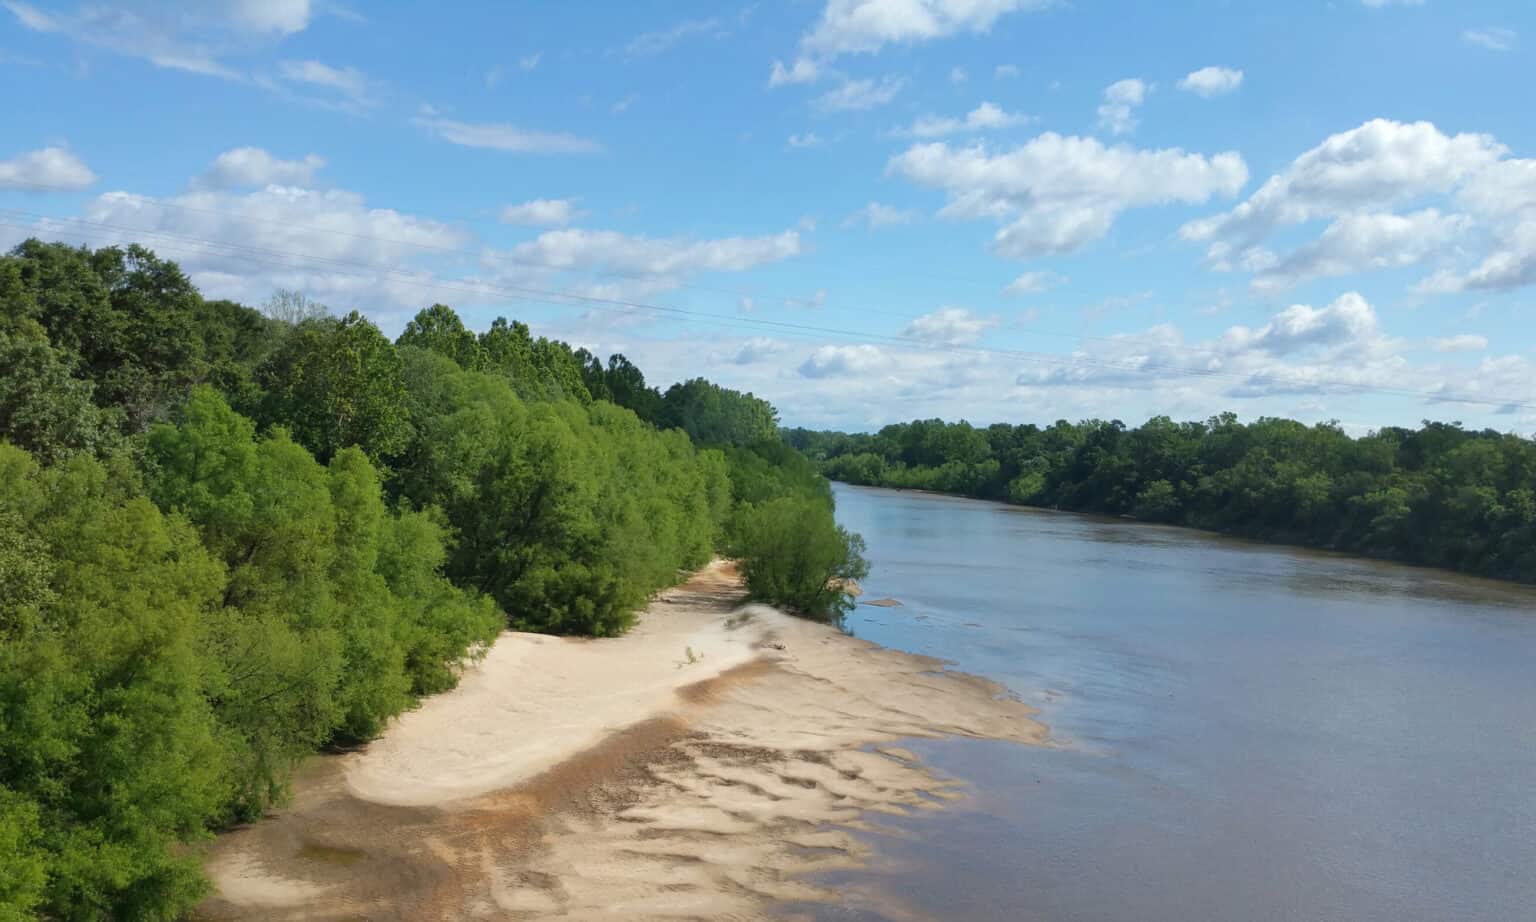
(1246, 732)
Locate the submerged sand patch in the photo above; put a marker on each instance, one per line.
(698, 767)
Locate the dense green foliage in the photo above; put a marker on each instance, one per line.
(230, 538)
(1440, 495)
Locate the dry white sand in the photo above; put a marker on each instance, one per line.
(696, 768)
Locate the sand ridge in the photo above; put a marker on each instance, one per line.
(699, 767)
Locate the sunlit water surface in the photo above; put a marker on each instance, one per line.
(1247, 732)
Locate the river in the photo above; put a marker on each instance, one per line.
(1246, 731)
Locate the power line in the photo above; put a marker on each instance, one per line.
(341, 266)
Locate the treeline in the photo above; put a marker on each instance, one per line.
(230, 537)
(1439, 495)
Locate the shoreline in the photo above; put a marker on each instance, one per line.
(701, 765)
(1235, 538)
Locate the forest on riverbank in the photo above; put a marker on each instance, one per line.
(1439, 495)
(230, 537)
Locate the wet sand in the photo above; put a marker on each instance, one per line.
(696, 768)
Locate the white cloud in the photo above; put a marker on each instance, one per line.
(509, 138)
(348, 81)
(1349, 319)
(53, 167)
(191, 37)
(1033, 283)
(1356, 179)
(957, 75)
(252, 166)
(803, 70)
(1121, 99)
(1493, 38)
(808, 139)
(284, 17)
(543, 212)
(664, 257)
(861, 94)
(1372, 167)
(1363, 242)
(328, 243)
(663, 39)
(530, 61)
(866, 26)
(837, 361)
(1461, 342)
(1057, 194)
(949, 326)
(1005, 72)
(876, 215)
(758, 348)
(1212, 81)
(985, 117)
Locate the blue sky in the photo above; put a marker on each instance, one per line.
(864, 210)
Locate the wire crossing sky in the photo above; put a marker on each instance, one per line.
(863, 210)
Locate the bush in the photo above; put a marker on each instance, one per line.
(794, 554)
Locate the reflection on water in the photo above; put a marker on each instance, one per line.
(1250, 732)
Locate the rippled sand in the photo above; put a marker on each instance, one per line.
(698, 767)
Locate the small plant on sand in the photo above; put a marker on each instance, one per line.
(691, 656)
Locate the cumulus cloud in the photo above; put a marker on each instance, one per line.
(1300, 350)
(876, 215)
(1362, 242)
(504, 137)
(985, 117)
(1375, 166)
(252, 166)
(1005, 72)
(1354, 179)
(866, 26)
(328, 243)
(543, 212)
(1056, 194)
(800, 141)
(1212, 81)
(1121, 100)
(757, 349)
(1033, 283)
(52, 167)
(803, 70)
(949, 326)
(1357, 179)
(836, 361)
(1493, 38)
(861, 94)
(1349, 319)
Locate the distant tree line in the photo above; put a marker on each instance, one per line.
(1439, 495)
(229, 537)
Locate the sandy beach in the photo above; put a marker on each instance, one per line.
(697, 768)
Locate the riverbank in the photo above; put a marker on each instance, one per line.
(699, 766)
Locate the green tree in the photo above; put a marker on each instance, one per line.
(337, 383)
